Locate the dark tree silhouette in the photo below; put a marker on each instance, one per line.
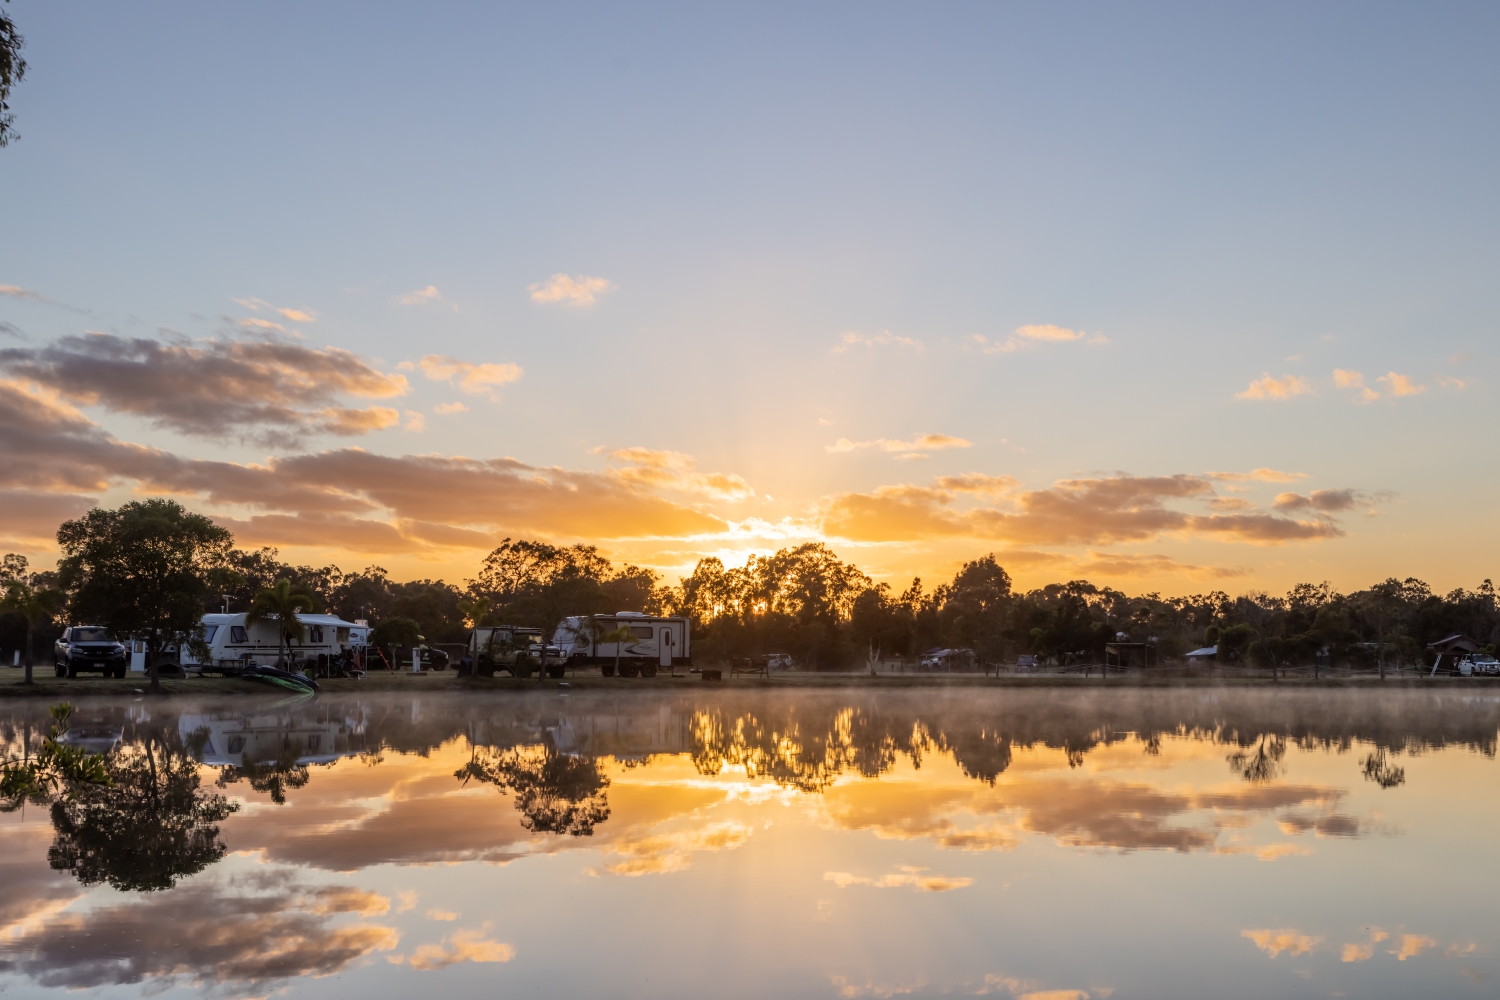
(152, 828)
(555, 792)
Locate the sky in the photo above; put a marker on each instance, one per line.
(1171, 298)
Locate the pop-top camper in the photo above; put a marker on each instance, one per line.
(654, 643)
(232, 643)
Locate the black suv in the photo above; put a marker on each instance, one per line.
(88, 647)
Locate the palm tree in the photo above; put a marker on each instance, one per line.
(39, 606)
(283, 602)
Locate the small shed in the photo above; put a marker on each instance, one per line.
(1203, 654)
(1121, 654)
(1452, 646)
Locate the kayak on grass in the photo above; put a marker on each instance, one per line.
(276, 677)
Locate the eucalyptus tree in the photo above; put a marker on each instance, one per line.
(144, 569)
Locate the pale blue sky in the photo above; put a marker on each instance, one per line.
(1213, 189)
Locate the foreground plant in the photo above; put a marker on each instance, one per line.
(55, 769)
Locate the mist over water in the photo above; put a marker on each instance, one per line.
(1014, 843)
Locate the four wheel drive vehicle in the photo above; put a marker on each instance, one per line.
(1478, 663)
(513, 649)
(1026, 662)
(88, 647)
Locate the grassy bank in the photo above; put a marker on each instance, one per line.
(58, 688)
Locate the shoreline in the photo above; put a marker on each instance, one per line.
(407, 683)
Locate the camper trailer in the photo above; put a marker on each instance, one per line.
(232, 643)
(655, 643)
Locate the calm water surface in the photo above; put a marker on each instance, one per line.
(1045, 845)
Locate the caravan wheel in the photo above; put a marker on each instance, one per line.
(630, 670)
(606, 670)
(648, 670)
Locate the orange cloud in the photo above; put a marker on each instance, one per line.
(582, 291)
(931, 442)
(675, 471)
(1401, 385)
(1267, 387)
(471, 378)
(1286, 940)
(1261, 475)
(1028, 336)
(1071, 512)
(464, 946)
(853, 338)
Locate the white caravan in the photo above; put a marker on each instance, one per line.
(654, 643)
(232, 643)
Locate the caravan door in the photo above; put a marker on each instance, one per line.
(664, 647)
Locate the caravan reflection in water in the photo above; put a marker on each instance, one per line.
(1001, 843)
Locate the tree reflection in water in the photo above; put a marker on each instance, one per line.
(154, 827)
(1264, 763)
(1381, 771)
(555, 792)
(272, 777)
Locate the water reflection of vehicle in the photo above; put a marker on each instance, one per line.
(238, 739)
(624, 736)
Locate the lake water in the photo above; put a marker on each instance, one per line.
(1004, 843)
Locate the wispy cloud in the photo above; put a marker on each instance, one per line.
(464, 946)
(474, 379)
(11, 330)
(294, 315)
(1268, 387)
(254, 323)
(32, 295)
(928, 442)
(1456, 384)
(904, 876)
(1078, 512)
(453, 407)
(582, 291)
(675, 471)
(1031, 336)
(851, 339)
(421, 296)
(1261, 475)
(979, 484)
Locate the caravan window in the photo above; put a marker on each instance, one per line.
(641, 631)
(209, 631)
(237, 634)
(317, 635)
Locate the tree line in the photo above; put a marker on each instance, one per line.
(152, 566)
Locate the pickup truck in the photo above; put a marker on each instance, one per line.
(88, 647)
